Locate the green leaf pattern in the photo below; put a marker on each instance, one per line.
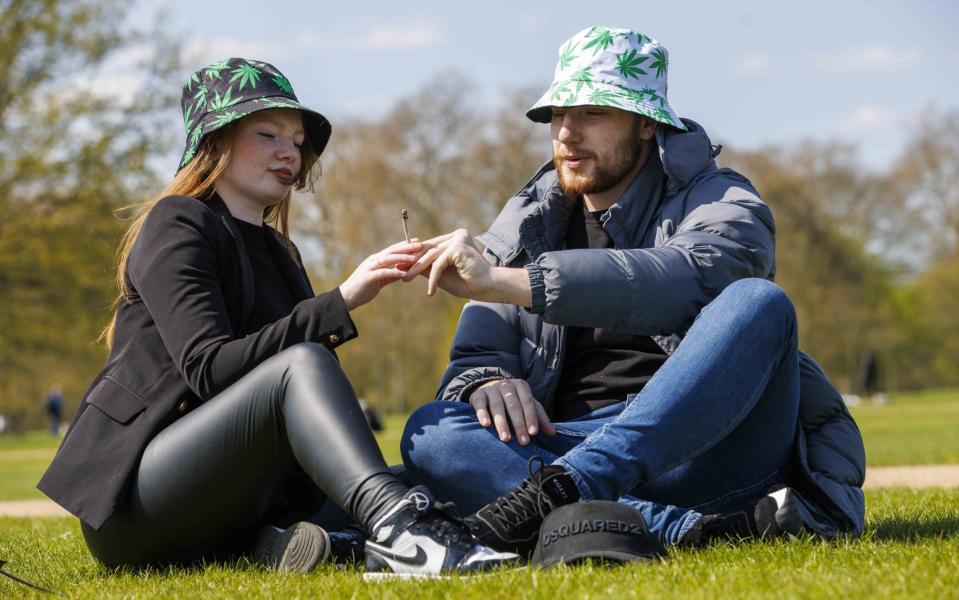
(582, 78)
(225, 118)
(601, 97)
(213, 70)
(246, 74)
(566, 55)
(226, 101)
(283, 83)
(603, 39)
(197, 135)
(660, 63)
(628, 63)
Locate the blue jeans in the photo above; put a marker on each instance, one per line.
(712, 431)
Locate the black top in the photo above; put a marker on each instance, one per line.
(273, 298)
(603, 366)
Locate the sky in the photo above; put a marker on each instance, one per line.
(752, 73)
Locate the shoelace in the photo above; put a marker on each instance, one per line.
(443, 518)
(524, 502)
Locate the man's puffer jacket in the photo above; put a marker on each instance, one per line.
(670, 259)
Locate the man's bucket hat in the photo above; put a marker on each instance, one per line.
(233, 88)
(608, 66)
(597, 529)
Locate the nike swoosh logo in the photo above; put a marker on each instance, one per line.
(417, 560)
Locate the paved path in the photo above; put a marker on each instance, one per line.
(916, 477)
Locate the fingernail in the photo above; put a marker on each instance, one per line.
(532, 431)
(523, 440)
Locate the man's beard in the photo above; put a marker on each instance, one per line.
(608, 170)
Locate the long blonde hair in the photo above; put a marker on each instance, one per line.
(197, 180)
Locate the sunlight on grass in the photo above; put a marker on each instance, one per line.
(910, 548)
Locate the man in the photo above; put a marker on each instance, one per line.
(570, 351)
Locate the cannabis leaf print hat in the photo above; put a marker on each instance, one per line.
(608, 66)
(233, 88)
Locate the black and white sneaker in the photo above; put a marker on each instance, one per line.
(774, 515)
(511, 523)
(778, 512)
(420, 537)
(297, 549)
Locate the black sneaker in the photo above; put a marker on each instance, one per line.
(774, 515)
(298, 548)
(348, 547)
(420, 537)
(511, 522)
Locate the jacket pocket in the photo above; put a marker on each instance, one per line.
(116, 401)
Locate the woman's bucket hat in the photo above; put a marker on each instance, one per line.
(233, 88)
(608, 66)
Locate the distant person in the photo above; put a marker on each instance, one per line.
(222, 384)
(54, 409)
(624, 340)
(869, 379)
(371, 415)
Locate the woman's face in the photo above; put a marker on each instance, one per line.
(265, 158)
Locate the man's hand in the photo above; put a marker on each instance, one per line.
(506, 401)
(456, 266)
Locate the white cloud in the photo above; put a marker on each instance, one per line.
(416, 33)
(870, 119)
(867, 58)
(409, 35)
(753, 64)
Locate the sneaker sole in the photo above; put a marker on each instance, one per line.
(298, 549)
(392, 576)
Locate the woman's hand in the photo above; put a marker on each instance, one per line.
(377, 271)
(506, 401)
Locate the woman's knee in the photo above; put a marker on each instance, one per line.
(309, 355)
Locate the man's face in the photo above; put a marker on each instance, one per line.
(595, 147)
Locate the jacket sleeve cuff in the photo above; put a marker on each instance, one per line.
(328, 320)
(461, 387)
(537, 286)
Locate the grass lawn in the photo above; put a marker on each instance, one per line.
(911, 429)
(910, 548)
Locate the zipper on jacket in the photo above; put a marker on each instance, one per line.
(557, 366)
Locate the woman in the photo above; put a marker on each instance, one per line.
(222, 409)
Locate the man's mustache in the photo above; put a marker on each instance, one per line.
(564, 154)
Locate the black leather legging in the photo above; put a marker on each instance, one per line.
(205, 484)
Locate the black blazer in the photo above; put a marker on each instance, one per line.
(176, 345)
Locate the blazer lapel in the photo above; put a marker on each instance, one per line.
(246, 269)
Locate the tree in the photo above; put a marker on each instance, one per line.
(74, 146)
(841, 291)
(928, 177)
(449, 163)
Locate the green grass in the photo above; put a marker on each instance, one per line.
(911, 429)
(910, 548)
